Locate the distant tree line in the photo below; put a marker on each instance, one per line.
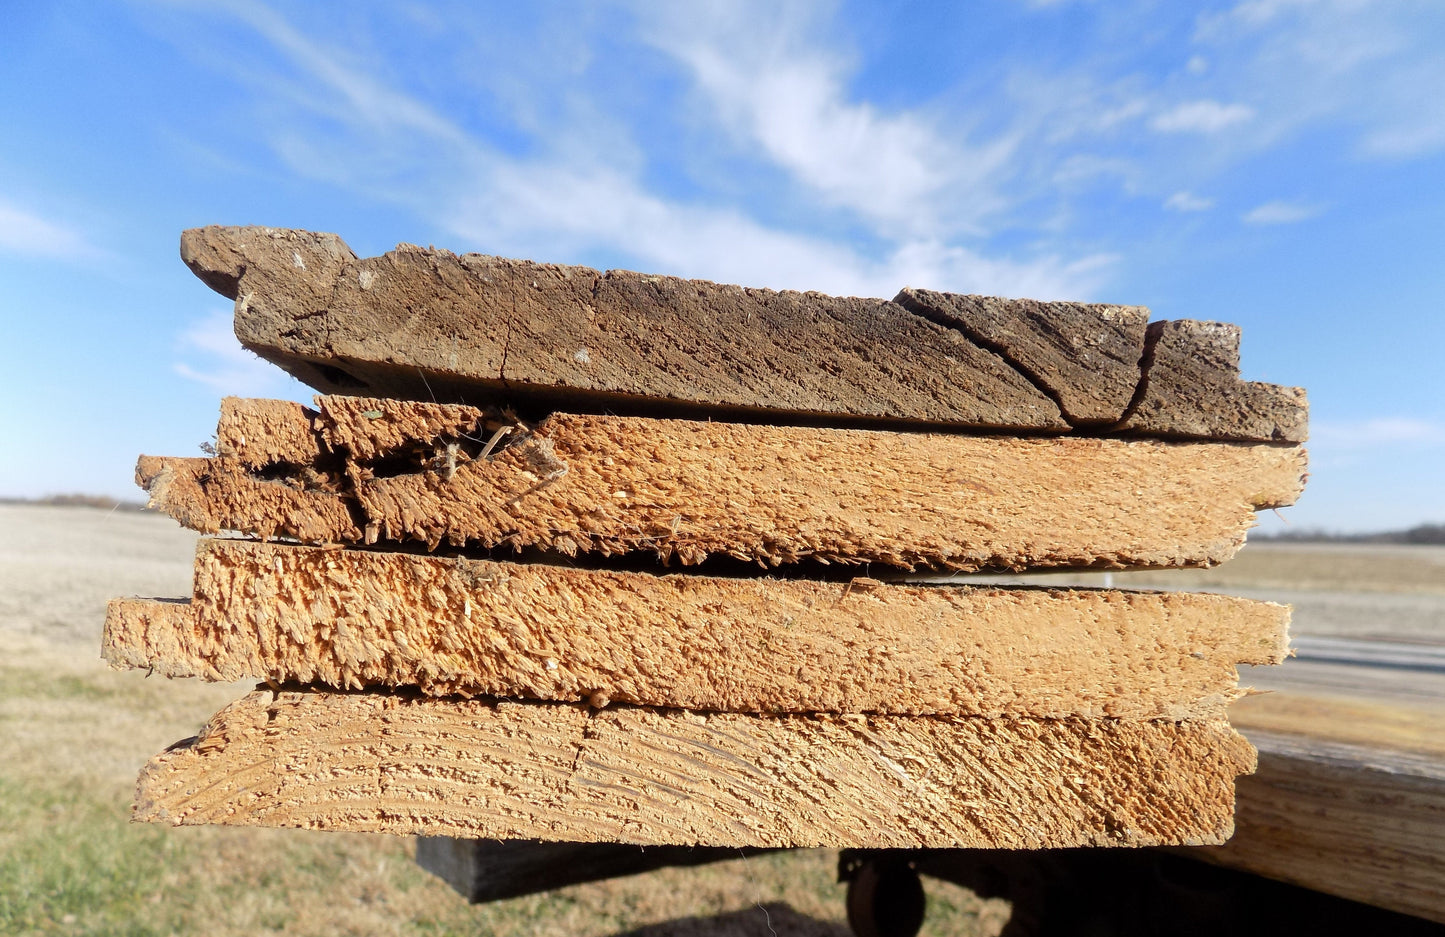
(1419, 534)
(103, 502)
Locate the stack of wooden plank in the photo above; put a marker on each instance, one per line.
(606, 557)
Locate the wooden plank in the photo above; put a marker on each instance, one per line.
(426, 324)
(263, 433)
(1330, 715)
(1085, 356)
(355, 619)
(1390, 655)
(211, 495)
(395, 764)
(1349, 798)
(1191, 387)
(686, 490)
(480, 328)
(1358, 821)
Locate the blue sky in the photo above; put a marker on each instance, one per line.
(1275, 163)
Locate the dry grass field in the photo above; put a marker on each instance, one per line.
(74, 734)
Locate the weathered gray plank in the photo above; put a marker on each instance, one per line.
(416, 322)
(1085, 356)
(1357, 821)
(1192, 388)
(426, 324)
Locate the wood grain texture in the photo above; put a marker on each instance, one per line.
(426, 324)
(1352, 715)
(686, 490)
(557, 772)
(1359, 821)
(262, 433)
(212, 495)
(1084, 356)
(1350, 795)
(490, 324)
(1191, 388)
(353, 619)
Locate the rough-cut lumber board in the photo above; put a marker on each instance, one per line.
(258, 433)
(211, 495)
(1350, 794)
(490, 870)
(354, 619)
(685, 490)
(1362, 822)
(478, 325)
(426, 324)
(560, 772)
(1192, 388)
(1085, 356)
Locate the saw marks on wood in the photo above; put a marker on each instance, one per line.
(352, 619)
(393, 764)
(417, 323)
(686, 490)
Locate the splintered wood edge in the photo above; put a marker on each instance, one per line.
(485, 769)
(359, 619)
(211, 495)
(152, 635)
(531, 491)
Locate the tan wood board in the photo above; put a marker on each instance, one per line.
(685, 490)
(352, 619)
(1359, 821)
(427, 324)
(560, 772)
(212, 495)
(1349, 797)
(1417, 726)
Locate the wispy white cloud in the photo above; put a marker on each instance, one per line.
(572, 209)
(29, 235)
(216, 359)
(1201, 117)
(1188, 202)
(866, 193)
(1369, 66)
(760, 66)
(912, 188)
(1376, 432)
(364, 98)
(1278, 212)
